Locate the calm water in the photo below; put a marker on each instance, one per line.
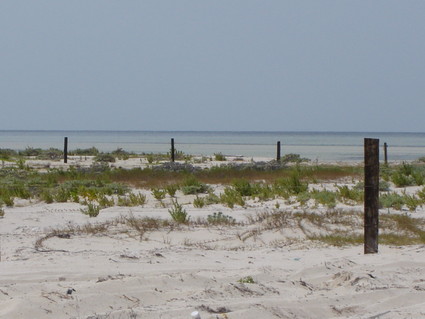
(322, 146)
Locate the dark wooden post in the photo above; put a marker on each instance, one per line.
(172, 150)
(278, 151)
(371, 195)
(385, 154)
(65, 150)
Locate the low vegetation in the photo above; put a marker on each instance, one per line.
(303, 187)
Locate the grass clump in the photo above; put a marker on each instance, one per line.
(350, 194)
(231, 197)
(219, 157)
(172, 189)
(291, 185)
(324, 197)
(243, 187)
(407, 175)
(178, 213)
(191, 185)
(198, 202)
(1, 212)
(158, 194)
(132, 200)
(92, 210)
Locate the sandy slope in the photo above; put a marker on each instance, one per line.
(170, 273)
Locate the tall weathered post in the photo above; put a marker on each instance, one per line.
(172, 150)
(65, 150)
(385, 153)
(278, 151)
(371, 195)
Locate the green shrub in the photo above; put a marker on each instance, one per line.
(121, 154)
(353, 194)
(325, 198)
(263, 191)
(293, 158)
(303, 197)
(211, 199)
(192, 186)
(6, 154)
(291, 185)
(243, 187)
(392, 200)
(47, 196)
(220, 219)
(231, 197)
(6, 197)
(178, 213)
(412, 202)
(219, 157)
(62, 195)
(407, 175)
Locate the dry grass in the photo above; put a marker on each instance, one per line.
(334, 227)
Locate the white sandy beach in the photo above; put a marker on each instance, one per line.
(171, 272)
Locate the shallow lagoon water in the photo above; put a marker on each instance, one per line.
(321, 146)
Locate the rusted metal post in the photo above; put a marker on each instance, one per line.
(371, 195)
(65, 150)
(385, 154)
(278, 151)
(172, 150)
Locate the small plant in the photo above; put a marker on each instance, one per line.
(105, 201)
(247, 280)
(351, 194)
(231, 197)
(137, 199)
(243, 187)
(391, 200)
(325, 198)
(220, 219)
(121, 154)
(172, 189)
(192, 186)
(6, 198)
(211, 199)
(62, 195)
(293, 158)
(178, 213)
(159, 194)
(150, 158)
(47, 196)
(291, 185)
(1, 212)
(104, 158)
(198, 202)
(219, 157)
(91, 210)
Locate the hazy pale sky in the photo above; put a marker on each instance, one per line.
(272, 65)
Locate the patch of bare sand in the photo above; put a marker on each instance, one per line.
(169, 273)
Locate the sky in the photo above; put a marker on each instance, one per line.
(216, 65)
